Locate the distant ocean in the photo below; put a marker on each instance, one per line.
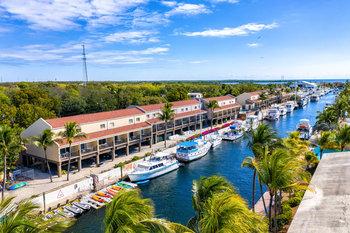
(285, 81)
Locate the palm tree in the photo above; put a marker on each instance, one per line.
(342, 136)
(220, 209)
(325, 141)
(212, 105)
(128, 212)
(261, 136)
(279, 171)
(44, 141)
(10, 145)
(167, 115)
(23, 217)
(71, 132)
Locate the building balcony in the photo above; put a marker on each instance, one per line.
(65, 155)
(134, 138)
(105, 146)
(88, 150)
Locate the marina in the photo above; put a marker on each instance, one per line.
(171, 192)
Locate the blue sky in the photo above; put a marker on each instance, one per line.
(162, 40)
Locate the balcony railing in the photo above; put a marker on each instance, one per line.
(105, 145)
(66, 155)
(134, 138)
(119, 141)
(88, 150)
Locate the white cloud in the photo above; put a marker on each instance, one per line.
(242, 30)
(64, 14)
(188, 9)
(198, 61)
(71, 53)
(169, 3)
(137, 37)
(142, 18)
(224, 1)
(253, 45)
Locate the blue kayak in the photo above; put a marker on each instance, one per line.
(18, 185)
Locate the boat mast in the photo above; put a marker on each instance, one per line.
(85, 66)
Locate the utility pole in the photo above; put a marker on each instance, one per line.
(85, 66)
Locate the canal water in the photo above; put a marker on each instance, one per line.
(171, 193)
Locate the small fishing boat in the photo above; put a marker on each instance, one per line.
(82, 205)
(305, 129)
(273, 114)
(74, 209)
(157, 165)
(192, 150)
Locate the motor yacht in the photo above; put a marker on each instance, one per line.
(236, 132)
(305, 129)
(154, 166)
(192, 150)
(273, 114)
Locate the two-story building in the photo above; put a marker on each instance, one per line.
(252, 100)
(110, 134)
(228, 108)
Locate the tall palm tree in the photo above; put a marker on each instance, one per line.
(220, 209)
(10, 145)
(279, 171)
(167, 114)
(326, 140)
(44, 141)
(261, 136)
(128, 212)
(212, 105)
(23, 217)
(71, 132)
(342, 136)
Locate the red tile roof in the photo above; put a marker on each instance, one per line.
(94, 117)
(109, 132)
(178, 116)
(227, 107)
(220, 98)
(176, 104)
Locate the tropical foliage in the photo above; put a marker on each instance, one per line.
(23, 218)
(212, 105)
(167, 115)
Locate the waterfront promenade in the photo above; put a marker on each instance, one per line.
(325, 207)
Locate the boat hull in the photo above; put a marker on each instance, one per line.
(136, 177)
(194, 155)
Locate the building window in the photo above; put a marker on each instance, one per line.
(102, 141)
(102, 126)
(186, 109)
(64, 152)
(131, 121)
(111, 124)
(195, 107)
(148, 116)
(137, 119)
(182, 109)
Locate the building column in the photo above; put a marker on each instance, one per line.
(140, 140)
(127, 144)
(113, 149)
(151, 139)
(98, 154)
(59, 169)
(79, 164)
(173, 127)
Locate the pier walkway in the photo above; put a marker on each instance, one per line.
(325, 208)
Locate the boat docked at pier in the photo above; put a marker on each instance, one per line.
(302, 102)
(236, 132)
(252, 122)
(290, 105)
(192, 150)
(305, 129)
(156, 165)
(215, 140)
(273, 114)
(283, 110)
(314, 98)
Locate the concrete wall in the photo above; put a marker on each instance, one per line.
(36, 128)
(68, 192)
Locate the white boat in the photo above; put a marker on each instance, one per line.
(156, 165)
(82, 205)
(302, 102)
(235, 133)
(215, 140)
(283, 110)
(273, 114)
(192, 150)
(290, 105)
(305, 129)
(252, 122)
(314, 98)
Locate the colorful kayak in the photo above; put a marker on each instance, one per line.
(102, 194)
(97, 198)
(18, 185)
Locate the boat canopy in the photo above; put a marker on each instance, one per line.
(188, 144)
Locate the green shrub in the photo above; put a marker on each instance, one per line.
(295, 201)
(135, 158)
(120, 164)
(286, 216)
